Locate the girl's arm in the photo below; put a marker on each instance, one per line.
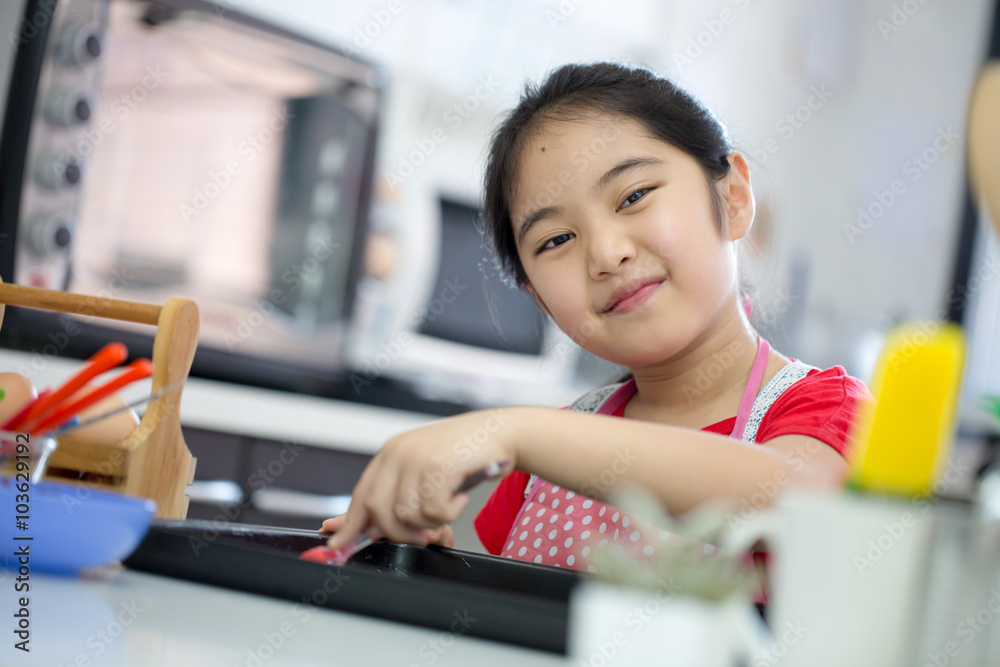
(681, 466)
(410, 485)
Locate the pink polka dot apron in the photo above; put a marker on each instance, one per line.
(559, 527)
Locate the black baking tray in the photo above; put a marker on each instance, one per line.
(511, 601)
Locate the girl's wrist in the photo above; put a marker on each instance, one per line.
(508, 434)
(523, 423)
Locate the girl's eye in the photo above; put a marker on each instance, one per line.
(554, 242)
(634, 197)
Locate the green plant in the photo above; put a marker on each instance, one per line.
(690, 559)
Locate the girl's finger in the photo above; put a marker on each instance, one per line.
(408, 499)
(440, 506)
(457, 504)
(415, 488)
(333, 524)
(381, 505)
(442, 536)
(357, 517)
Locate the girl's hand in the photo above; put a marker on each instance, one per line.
(442, 536)
(408, 491)
(333, 524)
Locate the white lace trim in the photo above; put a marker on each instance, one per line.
(531, 483)
(593, 400)
(785, 377)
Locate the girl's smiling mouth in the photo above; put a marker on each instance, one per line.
(631, 296)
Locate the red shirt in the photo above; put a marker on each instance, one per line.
(820, 405)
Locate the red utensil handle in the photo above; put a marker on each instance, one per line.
(109, 356)
(19, 417)
(137, 370)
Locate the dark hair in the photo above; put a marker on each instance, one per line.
(573, 91)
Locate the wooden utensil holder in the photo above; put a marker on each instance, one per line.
(153, 461)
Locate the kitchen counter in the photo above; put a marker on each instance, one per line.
(118, 617)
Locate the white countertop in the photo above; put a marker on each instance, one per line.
(251, 411)
(123, 618)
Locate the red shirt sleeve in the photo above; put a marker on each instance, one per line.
(820, 405)
(494, 521)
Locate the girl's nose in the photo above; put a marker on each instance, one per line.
(609, 252)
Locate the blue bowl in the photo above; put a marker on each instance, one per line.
(72, 527)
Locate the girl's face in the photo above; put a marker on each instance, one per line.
(619, 239)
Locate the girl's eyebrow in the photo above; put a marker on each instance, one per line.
(535, 217)
(626, 165)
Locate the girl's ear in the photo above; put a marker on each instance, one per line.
(739, 197)
(541, 304)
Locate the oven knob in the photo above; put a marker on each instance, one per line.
(67, 108)
(48, 236)
(78, 44)
(56, 172)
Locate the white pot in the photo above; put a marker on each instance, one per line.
(848, 574)
(617, 625)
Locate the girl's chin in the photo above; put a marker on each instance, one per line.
(641, 354)
(631, 359)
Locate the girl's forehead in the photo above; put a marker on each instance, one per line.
(592, 129)
(577, 151)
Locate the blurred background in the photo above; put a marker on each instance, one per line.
(310, 173)
(832, 100)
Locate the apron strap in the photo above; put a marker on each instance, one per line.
(621, 395)
(787, 376)
(753, 386)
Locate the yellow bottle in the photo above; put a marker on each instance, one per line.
(901, 441)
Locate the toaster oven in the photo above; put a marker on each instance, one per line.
(156, 148)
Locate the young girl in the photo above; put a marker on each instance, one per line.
(615, 199)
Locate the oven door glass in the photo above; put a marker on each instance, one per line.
(226, 164)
